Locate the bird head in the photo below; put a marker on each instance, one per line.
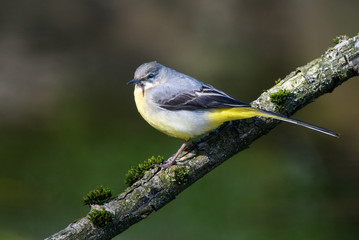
(148, 75)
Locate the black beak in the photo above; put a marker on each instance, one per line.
(133, 81)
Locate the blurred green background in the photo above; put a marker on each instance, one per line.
(68, 122)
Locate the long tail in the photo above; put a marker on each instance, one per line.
(227, 114)
(265, 113)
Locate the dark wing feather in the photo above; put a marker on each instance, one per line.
(206, 97)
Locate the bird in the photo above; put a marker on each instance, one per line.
(184, 107)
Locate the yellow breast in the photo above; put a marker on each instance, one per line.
(180, 124)
(140, 100)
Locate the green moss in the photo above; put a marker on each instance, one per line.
(101, 218)
(180, 175)
(279, 98)
(340, 38)
(277, 81)
(98, 195)
(136, 173)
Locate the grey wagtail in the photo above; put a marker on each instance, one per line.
(183, 107)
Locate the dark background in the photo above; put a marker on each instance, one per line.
(68, 122)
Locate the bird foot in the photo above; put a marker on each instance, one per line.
(169, 163)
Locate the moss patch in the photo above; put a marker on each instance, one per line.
(101, 218)
(277, 81)
(180, 175)
(136, 173)
(340, 38)
(336, 40)
(279, 98)
(97, 196)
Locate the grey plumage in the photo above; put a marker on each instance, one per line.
(182, 92)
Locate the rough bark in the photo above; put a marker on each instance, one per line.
(157, 187)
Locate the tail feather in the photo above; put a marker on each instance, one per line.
(265, 113)
(221, 115)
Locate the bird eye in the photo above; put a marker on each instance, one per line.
(151, 75)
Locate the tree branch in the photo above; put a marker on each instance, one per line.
(157, 187)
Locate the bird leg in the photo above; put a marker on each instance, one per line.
(173, 160)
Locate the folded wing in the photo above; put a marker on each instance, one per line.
(206, 97)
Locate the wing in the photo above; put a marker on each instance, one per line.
(204, 98)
